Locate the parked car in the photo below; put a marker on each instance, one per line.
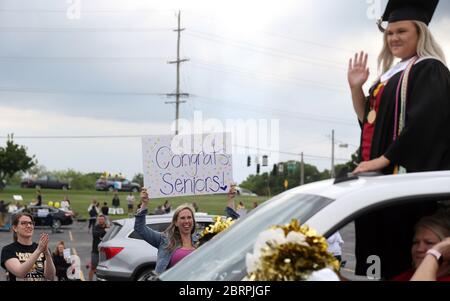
(45, 182)
(110, 184)
(245, 192)
(40, 215)
(125, 256)
(325, 206)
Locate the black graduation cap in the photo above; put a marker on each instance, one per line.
(413, 10)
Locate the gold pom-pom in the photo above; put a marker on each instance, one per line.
(219, 225)
(293, 261)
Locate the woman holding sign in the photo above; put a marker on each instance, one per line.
(176, 242)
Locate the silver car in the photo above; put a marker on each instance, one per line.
(125, 256)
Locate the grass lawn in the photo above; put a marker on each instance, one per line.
(80, 200)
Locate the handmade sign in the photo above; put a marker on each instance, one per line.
(187, 165)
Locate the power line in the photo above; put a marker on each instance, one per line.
(289, 153)
(77, 137)
(268, 50)
(250, 74)
(84, 11)
(283, 36)
(77, 30)
(51, 91)
(81, 58)
(141, 136)
(293, 114)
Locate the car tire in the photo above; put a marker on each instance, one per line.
(56, 224)
(134, 189)
(147, 274)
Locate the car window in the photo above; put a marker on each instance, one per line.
(223, 257)
(347, 233)
(160, 227)
(112, 232)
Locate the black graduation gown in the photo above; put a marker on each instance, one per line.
(424, 145)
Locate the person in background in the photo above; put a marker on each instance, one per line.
(130, 203)
(230, 210)
(335, 243)
(13, 207)
(194, 204)
(240, 206)
(3, 212)
(167, 207)
(65, 204)
(61, 263)
(116, 200)
(93, 213)
(98, 232)
(38, 198)
(105, 211)
(159, 210)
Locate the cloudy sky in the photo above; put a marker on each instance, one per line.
(99, 68)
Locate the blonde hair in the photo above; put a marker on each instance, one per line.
(173, 233)
(439, 223)
(57, 245)
(426, 47)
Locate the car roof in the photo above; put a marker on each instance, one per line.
(330, 190)
(353, 196)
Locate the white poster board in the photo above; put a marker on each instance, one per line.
(187, 164)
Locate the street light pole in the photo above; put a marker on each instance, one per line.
(332, 154)
(302, 170)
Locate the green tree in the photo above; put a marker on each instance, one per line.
(349, 166)
(13, 159)
(139, 178)
(273, 184)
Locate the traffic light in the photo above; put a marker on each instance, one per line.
(249, 161)
(258, 166)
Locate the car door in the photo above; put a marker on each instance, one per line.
(126, 185)
(52, 182)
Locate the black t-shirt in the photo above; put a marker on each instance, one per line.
(105, 210)
(22, 252)
(97, 234)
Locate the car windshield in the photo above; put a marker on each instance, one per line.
(223, 258)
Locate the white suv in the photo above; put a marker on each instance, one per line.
(125, 256)
(326, 206)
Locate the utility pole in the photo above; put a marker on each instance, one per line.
(178, 62)
(332, 154)
(302, 171)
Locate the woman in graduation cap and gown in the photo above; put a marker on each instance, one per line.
(405, 126)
